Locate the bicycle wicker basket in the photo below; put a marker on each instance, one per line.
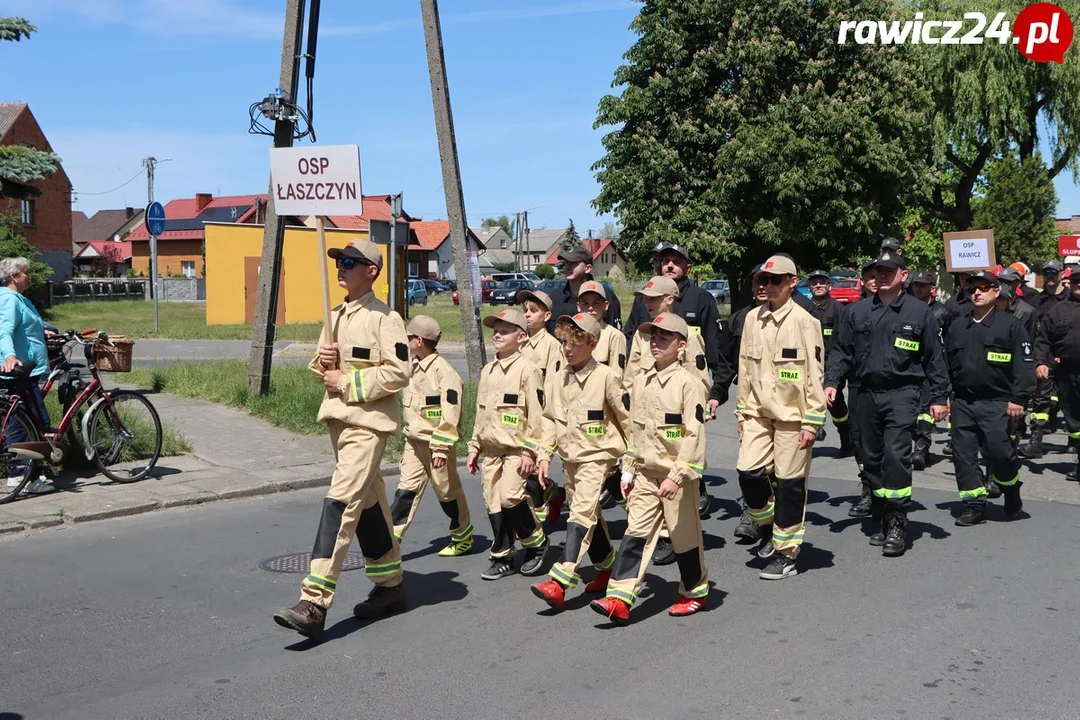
(115, 357)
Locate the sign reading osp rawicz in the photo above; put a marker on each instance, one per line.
(969, 251)
(316, 180)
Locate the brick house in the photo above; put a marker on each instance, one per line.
(1069, 225)
(46, 218)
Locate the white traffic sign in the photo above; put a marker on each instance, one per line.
(315, 180)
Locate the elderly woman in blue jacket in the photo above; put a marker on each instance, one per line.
(22, 341)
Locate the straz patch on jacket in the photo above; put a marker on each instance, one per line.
(788, 375)
(673, 433)
(905, 344)
(594, 430)
(998, 357)
(511, 419)
(827, 332)
(433, 413)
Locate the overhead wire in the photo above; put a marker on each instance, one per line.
(106, 192)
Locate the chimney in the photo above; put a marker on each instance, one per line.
(129, 212)
(202, 200)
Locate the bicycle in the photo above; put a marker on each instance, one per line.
(120, 429)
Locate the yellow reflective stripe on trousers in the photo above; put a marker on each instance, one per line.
(785, 536)
(358, 393)
(1045, 417)
(765, 514)
(699, 592)
(320, 581)
(606, 564)
(923, 417)
(1074, 435)
(563, 578)
(382, 569)
(1006, 483)
(628, 597)
(534, 543)
(893, 494)
(972, 494)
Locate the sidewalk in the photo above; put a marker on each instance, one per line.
(235, 455)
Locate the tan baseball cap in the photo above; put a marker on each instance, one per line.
(593, 287)
(514, 317)
(538, 295)
(779, 265)
(424, 326)
(669, 322)
(360, 249)
(659, 286)
(586, 322)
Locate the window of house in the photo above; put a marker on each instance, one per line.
(502, 241)
(536, 259)
(27, 212)
(188, 268)
(414, 269)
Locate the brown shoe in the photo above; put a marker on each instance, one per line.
(305, 617)
(381, 602)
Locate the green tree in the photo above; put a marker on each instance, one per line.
(923, 244)
(502, 221)
(743, 126)
(610, 230)
(20, 166)
(544, 272)
(1019, 207)
(990, 101)
(571, 239)
(13, 243)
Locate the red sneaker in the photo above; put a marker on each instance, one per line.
(613, 609)
(686, 606)
(599, 585)
(555, 506)
(550, 592)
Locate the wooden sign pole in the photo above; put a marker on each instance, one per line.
(320, 230)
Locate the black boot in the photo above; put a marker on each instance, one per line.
(704, 499)
(1013, 503)
(1074, 475)
(878, 538)
(664, 553)
(747, 529)
(993, 491)
(920, 458)
(974, 514)
(1033, 448)
(844, 432)
(861, 509)
(895, 535)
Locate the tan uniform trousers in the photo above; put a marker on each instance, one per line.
(647, 512)
(355, 505)
(586, 529)
(773, 445)
(510, 512)
(416, 474)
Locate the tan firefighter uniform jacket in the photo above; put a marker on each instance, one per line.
(587, 415)
(781, 364)
(693, 359)
(509, 409)
(667, 425)
(432, 404)
(373, 352)
(611, 349)
(545, 352)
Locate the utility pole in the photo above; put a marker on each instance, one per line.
(266, 302)
(149, 163)
(523, 241)
(475, 352)
(514, 244)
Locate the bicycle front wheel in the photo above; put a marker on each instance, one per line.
(15, 472)
(125, 436)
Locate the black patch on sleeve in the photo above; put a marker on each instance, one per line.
(510, 398)
(558, 365)
(673, 418)
(789, 353)
(622, 361)
(700, 413)
(595, 415)
(626, 400)
(540, 396)
(817, 353)
(363, 353)
(402, 351)
(451, 396)
(431, 399)
(700, 362)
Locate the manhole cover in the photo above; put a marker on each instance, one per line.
(299, 562)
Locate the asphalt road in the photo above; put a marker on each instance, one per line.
(168, 616)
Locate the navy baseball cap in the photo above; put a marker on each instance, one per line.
(892, 260)
(820, 273)
(983, 277)
(924, 276)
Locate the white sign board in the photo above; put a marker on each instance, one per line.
(474, 273)
(969, 250)
(316, 180)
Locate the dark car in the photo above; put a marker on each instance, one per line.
(434, 287)
(506, 291)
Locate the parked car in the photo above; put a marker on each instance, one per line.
(549, 286)
(530, 276)
(434, 287)
(507, 291)
(452, 284)
(485, 291)
(804, 286)
(417, 292)
(719, 289)
(846, 289)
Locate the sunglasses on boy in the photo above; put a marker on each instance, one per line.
(349, 263)
(766, 279)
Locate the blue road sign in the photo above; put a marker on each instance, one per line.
(155, 218)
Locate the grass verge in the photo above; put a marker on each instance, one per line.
(292, 403)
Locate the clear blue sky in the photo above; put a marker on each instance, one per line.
(112, 81)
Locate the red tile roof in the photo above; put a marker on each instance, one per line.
(595, 245)
(99, 247)
(376, 207)
(186, 209)
(431, 233)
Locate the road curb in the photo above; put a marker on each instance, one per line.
(139, 508)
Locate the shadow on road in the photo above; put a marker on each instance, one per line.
(658, 595)
(10, 716)
(480, 544)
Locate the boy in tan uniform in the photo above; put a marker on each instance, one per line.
(432, 405)
(545, 352)
(660, 294)
(509, 412)
(586, 418)
(363, 361)
(780, 406)
(611, 347)
(660, 476)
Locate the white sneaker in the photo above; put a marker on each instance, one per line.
(39, 487)
(13, 481)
